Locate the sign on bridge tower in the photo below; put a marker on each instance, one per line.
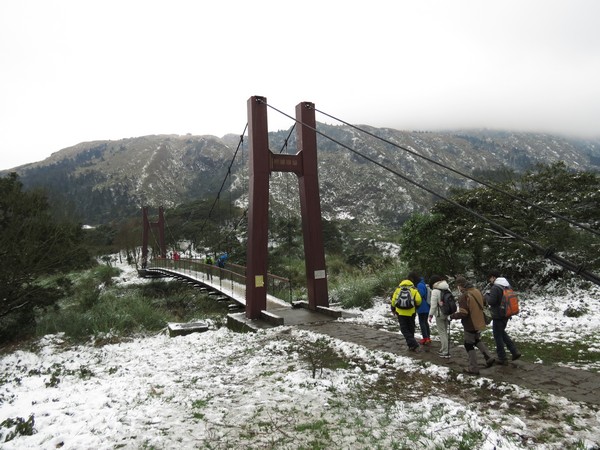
(147, 226)
(304, 164)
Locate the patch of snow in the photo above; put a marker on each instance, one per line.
(221, 389)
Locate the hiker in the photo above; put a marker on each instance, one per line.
(439, 284)
(221, 260)
(404, 300)
(470, 311)
(209, 262)
(493, 298)
(423, 309)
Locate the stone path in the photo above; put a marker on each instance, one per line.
(575, 385)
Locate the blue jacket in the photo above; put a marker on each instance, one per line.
(424, 306)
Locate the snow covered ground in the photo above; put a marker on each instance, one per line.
(221, 389)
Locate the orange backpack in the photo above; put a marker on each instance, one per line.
(509, 305)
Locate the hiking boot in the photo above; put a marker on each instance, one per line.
(471, 372)
(416, 349)
(516, 356)
(503, 362)
(444, 355)
(490, 362)
(425, 341)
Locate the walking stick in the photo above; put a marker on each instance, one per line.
(449, 326)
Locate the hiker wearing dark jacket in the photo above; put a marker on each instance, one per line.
(494, 298)
(423, 309)
(470, 312)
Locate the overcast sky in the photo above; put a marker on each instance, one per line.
(74, 71)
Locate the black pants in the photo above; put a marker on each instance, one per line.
(502, 338)
(407, 328)
(424, 325)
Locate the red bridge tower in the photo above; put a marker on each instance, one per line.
(304, 164)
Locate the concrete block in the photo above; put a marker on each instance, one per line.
(182, 329)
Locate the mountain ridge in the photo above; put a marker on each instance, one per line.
(110, 180)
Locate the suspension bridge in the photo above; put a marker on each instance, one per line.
(267, 297)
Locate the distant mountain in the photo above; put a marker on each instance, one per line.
(110, 180)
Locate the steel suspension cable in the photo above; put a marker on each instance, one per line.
(245, 212)
(228, 174)
(170, 232)
(546, 252)
(489, 185)
(222, 184)
(287, 139)
(156, 240)
(240, 144)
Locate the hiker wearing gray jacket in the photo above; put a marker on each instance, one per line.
(438, 284)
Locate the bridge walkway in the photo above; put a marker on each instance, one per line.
(225, 286)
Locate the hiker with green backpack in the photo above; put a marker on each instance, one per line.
(503, 305)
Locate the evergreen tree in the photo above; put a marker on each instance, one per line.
(450, 240)
(32, 245)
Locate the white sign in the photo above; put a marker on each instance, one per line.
(319, 274)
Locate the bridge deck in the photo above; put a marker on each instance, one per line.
(278, 312)
(227, 287)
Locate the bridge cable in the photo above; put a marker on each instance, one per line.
(217, 198)
(288, 191)
(156, 241)
(170, 232)
(491, 186)
(245, 212)
(548, 253)
(228, 174)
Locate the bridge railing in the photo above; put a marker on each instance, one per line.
(231, 278)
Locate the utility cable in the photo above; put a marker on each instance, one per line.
(491, 186)
(546, 252)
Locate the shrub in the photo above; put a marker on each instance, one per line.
(20, 427)
(358, 291)
(105, 274)
(575, 311)
(109, 314)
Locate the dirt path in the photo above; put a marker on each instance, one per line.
(575, 385)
